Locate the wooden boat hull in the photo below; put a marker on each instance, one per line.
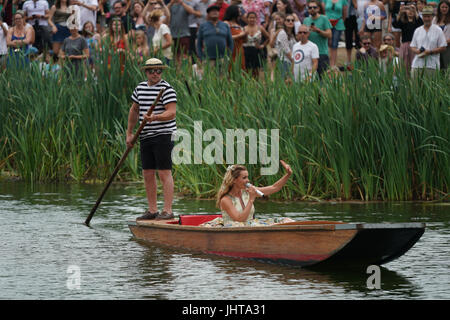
(305, 243)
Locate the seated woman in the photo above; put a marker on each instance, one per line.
(235, 199)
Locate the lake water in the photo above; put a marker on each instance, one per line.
(44, 245)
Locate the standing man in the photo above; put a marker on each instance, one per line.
(87, 12)
(427, 43)
(320, 32)
(195, 20)
(156, 138)
(214, 38)
(37, 16)
(179, 27)
(3, 46)
(305, 54)
(351, 29)
(120, 10)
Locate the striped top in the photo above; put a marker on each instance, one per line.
(145, 95)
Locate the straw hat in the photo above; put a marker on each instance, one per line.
(428, 10)
(154, 63)
(390, 49)
(383, 47)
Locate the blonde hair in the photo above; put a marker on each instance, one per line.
(155, 15)
(143, 47)
(141, 33)
(233, 172)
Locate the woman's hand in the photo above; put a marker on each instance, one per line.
(252, 193)
(280, 183)
(286, 167)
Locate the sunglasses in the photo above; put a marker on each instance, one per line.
(290, 20)
(303, 32)
(312, 8)
(152, 71)
(366, 43)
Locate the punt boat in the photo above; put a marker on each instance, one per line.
(299, 243)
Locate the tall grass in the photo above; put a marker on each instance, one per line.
(359, 135)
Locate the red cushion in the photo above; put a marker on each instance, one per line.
(197, 219)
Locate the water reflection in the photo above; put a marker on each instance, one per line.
(246, 279)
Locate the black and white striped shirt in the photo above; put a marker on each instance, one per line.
(145, 95)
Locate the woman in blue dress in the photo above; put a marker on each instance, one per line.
(19, 41)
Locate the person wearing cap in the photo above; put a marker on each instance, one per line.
(156, 138)
(427, 43)
(214, 40)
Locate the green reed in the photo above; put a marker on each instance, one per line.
(359, 135)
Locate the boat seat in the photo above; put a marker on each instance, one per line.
(197, 219)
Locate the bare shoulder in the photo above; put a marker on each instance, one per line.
(225, 202)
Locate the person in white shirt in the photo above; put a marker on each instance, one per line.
(87, 11)
(427, 43)
(305, 55)
(162, 39)
(3, 46)
(37, 12)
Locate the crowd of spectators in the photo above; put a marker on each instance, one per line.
(301, 38)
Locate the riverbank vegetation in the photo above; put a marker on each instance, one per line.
(363, 134)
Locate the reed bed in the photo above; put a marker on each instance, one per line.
(361, 135)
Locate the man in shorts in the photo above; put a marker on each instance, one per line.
(179, 27)
(156, 138)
